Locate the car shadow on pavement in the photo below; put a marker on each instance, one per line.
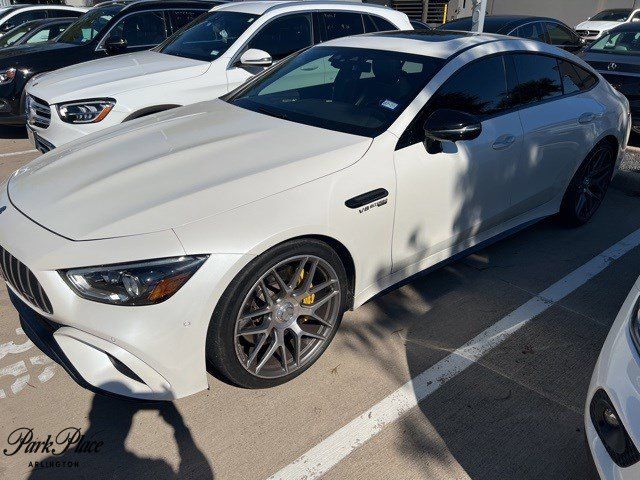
(13, 132)
(110, 421)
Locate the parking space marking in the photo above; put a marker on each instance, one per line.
(336, 447)
(22, 152)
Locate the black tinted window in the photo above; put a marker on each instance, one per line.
(479, 88)
(381, 24)
(560, 35)
(538, 78)
(284, 36)
(141, 29)
(575, 78)
(533, 31)
(342, 24)
(23, 17)
(179, 18)
(63, 13)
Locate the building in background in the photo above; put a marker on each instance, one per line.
(572, 12)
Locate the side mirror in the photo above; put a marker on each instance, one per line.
(115, 45)
(256, 58)
(446, 125)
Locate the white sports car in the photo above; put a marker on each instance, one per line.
(233, 234)
(612, 412)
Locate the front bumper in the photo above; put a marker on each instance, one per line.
(617, 372)
(154, 352)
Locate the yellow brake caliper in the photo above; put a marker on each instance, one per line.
(311, 298)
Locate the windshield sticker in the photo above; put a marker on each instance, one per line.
(389, 104)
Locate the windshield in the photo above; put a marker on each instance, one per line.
(89, 25)
(612, 16)
(352, 90)
(208, 37)
(622, 42)
(12, 36)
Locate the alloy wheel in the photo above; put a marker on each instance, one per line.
(287, 316)
(594, 183)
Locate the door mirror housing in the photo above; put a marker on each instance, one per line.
(256, 58)
(447, 125)
(115, 45)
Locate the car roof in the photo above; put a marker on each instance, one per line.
(626, 27)
(433, 43)
(496, 23)
(260, 7)
(143, 4)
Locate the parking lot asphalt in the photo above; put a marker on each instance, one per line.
(513, 411)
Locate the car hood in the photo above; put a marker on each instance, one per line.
(596, 25)
(174, 168)
(109, 76)
(34, 56)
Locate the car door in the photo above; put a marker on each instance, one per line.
(279, 37)
(447, 198)
(558, 122)
(563, 37)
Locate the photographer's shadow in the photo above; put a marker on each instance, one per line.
(110, 421)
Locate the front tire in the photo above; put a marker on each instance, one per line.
(589, 185)
(278, 315)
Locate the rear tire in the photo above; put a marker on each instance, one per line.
(278, 315)
(587, 188)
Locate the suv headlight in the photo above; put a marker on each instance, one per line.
(635, 325)
(133, 284)
(7, 76)
(88, 111)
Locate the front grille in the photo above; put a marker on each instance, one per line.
(588, 33)
(42, 145)
(23, 281)
(38, 112)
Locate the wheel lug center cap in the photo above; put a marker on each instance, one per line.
(285, 312)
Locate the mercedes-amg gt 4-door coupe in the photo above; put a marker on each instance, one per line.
(233, 234)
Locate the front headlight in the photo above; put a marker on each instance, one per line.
(7, 76)
(635, 325)
(89, 111)
(133, 284)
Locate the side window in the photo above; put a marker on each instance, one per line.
(283, 36)
(342, 24)
(141, 29)
(463, 91)
(533, 31)
(63, 13)
(373, 23)
(575, 78)
(538, 78)
(23, 17)
(179, 18)
(560, 35)
(43, 35)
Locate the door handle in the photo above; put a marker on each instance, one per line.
(586, 118)
(503, 141)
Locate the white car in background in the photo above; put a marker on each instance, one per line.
(612, 412)
(603, 21)
(13, 16)
(207, 59)
(234, 233)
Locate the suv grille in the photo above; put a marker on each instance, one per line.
(588, 33)
(38, 112)
(24, 281)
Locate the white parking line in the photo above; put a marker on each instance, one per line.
(22, 152)
(328, 453)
